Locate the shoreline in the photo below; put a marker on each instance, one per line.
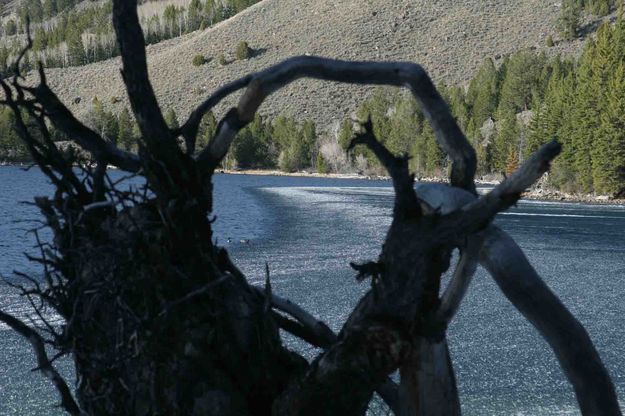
(551, 195)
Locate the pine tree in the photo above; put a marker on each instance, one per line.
(125, 138)
(345, 134)
(563, 173)
(568, 22)
(75, 47)
(548, 114)
(309, 139)
(321, 164)
(608, 150)
(208, 128)
(482, 96)
(520, 84)
(585, 119)
(456, 100)
(404, 125)
(433, 154)
(506, 141)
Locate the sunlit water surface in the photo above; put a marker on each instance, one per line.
(308, 230)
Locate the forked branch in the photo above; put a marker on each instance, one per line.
(525, 289)
(63, 119)
(478, 214)
(406, 203)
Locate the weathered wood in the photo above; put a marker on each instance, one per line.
(577, 356)
(428, 383)
(520, 283)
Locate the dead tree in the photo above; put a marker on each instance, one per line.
(159, 321)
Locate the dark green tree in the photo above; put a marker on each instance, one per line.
(125, 137)
(608, 149)
(482, 96)
(568, 22)
(171, 118)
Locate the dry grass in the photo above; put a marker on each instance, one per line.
(450, 38)
(152, 8)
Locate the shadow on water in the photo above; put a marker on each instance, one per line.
(309, 229)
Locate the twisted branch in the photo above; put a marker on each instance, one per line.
(262, 84)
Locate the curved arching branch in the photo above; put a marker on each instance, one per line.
(570, 342)
(262, 84)
(189, 129)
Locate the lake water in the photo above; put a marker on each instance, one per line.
(308, 230)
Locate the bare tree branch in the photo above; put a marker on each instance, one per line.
(63, 119)
(579, 359)
(478, 214)
(406, 203)
(189, 129)
(460, 281)
(135, 74)
(46, 157)
(43, 363)
(262, 84)
(322, 332)
(518, 280)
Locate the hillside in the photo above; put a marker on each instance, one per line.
(450, 38)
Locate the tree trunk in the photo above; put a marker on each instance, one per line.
(428, 383)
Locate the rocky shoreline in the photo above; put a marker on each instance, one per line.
(555, 195)
(538, 194)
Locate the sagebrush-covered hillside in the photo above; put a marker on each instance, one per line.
(450, 38)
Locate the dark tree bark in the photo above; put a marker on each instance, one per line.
(158, 319)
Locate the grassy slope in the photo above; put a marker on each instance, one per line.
(449, 37)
